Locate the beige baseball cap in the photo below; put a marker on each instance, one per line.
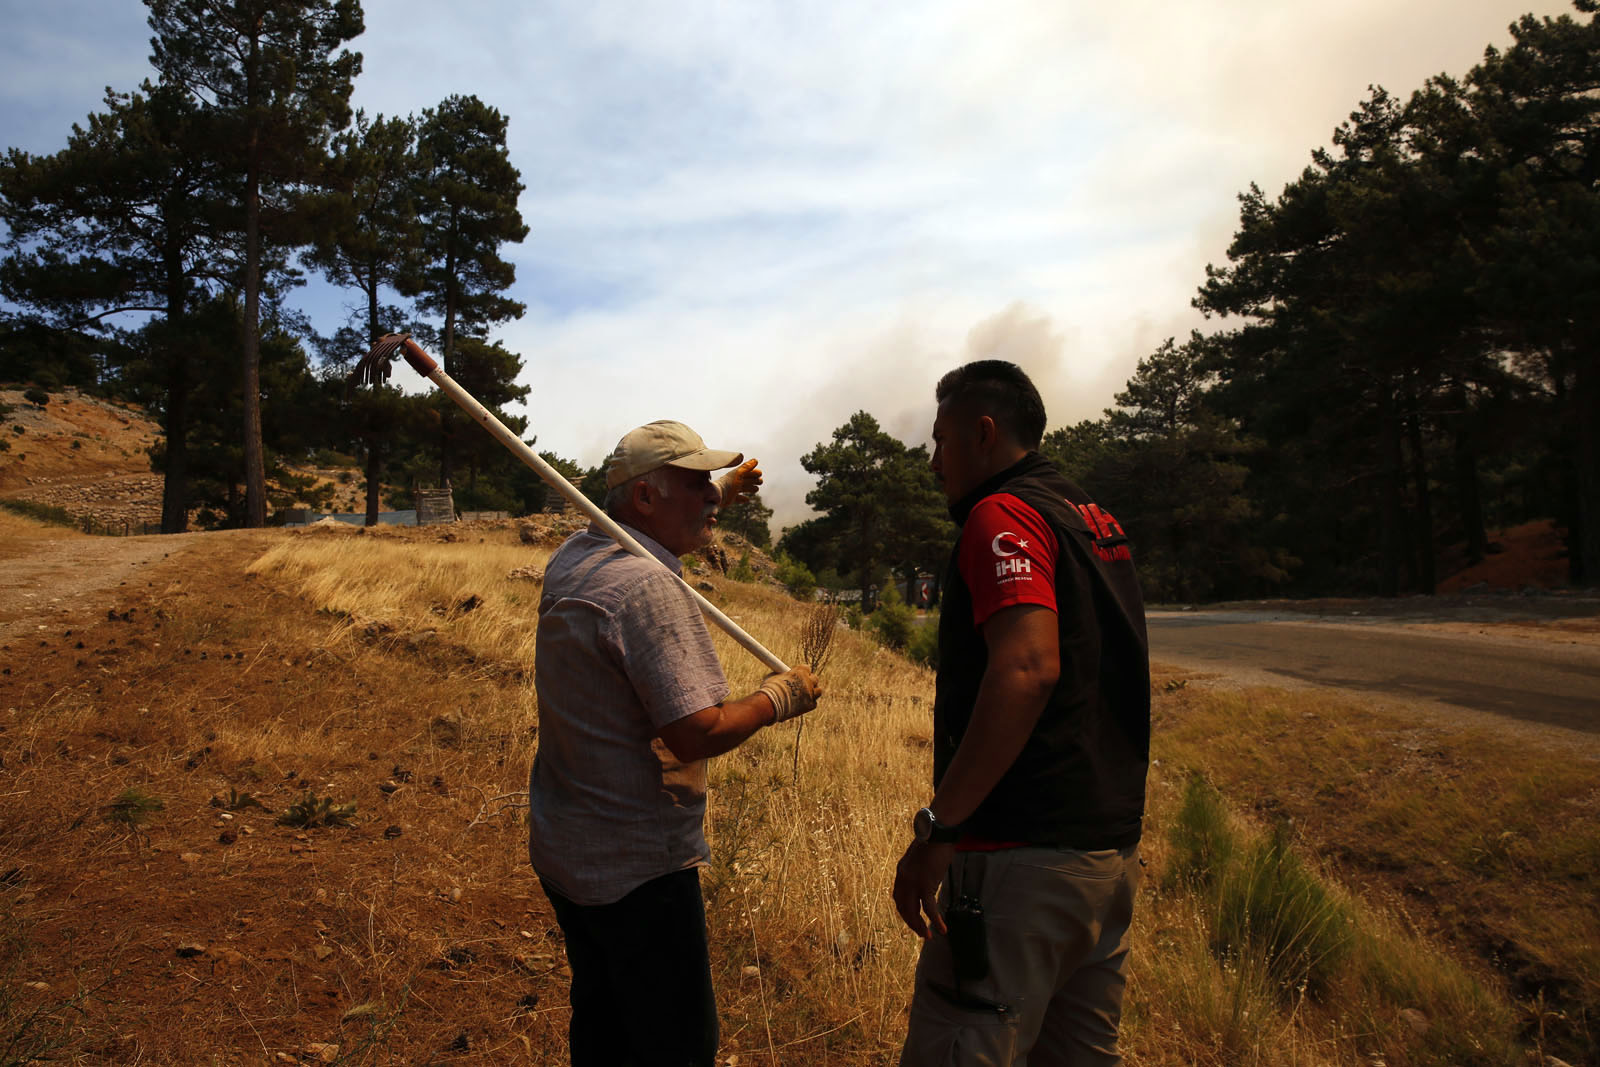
(663, 444)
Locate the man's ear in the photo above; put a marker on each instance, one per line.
(988, 432)
(643, 497)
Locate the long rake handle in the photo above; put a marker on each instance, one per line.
(424, 365)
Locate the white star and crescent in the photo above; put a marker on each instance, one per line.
(998, 547)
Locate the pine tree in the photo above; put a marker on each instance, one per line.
(750, 519)
(496, 479)
(276, 82)
(366, 236)
(131, 217)
(467, 207)
(882, 505)
(1537, 109)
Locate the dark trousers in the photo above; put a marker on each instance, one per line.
(641, 976)
(1056, 924)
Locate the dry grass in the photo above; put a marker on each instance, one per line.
(19, 535)
(1260, 955)
(1468, 845)
(392, 673)
(804, 837)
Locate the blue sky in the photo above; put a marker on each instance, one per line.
(759, 218)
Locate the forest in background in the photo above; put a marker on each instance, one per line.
(1403, 350)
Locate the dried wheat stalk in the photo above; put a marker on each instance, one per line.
(816, 635)
(816, 646)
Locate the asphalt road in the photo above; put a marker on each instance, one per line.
(1556, 684)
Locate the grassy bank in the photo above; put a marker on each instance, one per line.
(391, 673)
(1486, 843)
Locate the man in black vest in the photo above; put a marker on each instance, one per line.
(1041, 743)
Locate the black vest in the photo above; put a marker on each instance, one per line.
(1079, 781)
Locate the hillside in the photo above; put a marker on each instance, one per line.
(166, 717)
(1532, 555)
(90, 456)
(87, 455)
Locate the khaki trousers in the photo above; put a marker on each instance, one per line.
(1057, 933)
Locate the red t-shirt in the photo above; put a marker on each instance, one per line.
(1008, 556)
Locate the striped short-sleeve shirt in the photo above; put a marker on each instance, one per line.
(622, 651)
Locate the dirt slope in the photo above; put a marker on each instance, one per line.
(157, 667)
(1533, 555)
(91, 457)
(87, 455)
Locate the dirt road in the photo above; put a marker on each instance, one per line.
(47, 581)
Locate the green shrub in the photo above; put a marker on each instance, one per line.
(742, 571)
(35, 395)
(1271, 905)
(796, 577)
(312, 810)
(894, 620)
(1202, 843)
(924, 644)
(236, 801)
(1274, 935)
(1270, 914)
(133, 808)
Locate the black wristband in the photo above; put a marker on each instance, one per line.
(927, 828)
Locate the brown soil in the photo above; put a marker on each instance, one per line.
(205, 935)
(209, 936)
(87, 455)
(414, 935)
(62, 581)
(1530, 556)
(91, 457)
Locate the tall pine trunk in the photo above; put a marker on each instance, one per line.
(1427, 568)
(255, 479)
(1390, 475)
(447, 363)
(1469, 500)
(371, 436)
(175, 464)
(1584, 539)
(1469, 496)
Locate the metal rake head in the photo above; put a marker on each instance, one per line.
(378, 363)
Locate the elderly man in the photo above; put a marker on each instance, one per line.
(1041, 739)
(632, 702)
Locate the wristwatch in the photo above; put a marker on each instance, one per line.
(927, 828)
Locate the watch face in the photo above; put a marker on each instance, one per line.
(922, 824)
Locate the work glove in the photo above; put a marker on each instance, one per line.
(738, 483)
(794, 692)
